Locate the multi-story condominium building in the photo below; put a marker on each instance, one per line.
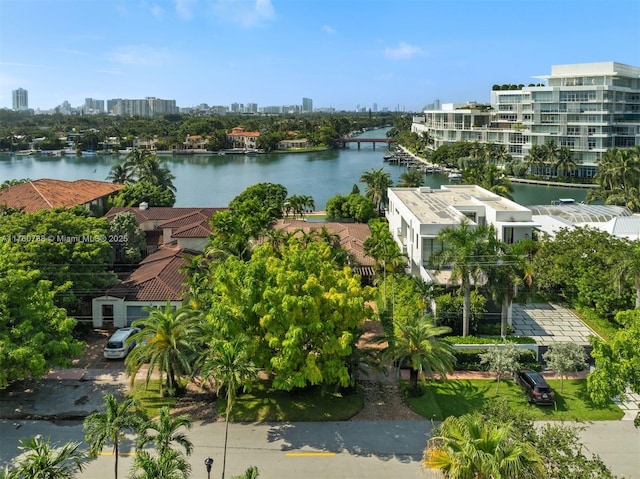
(93, 106)
(307, 105)
(417, 215)
(150, 106)
(20, 99)
(588, 107)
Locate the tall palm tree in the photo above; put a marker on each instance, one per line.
(229, 364)
(119, 174)
(467, 254)
(416, 342)
(169, 342)
(42, 460)
(163, 431)
(627, 268)
(377, 183)
(535, 158)
(470, 447)
(551, 150)
(109, 427)
(170, 465)
(411, 179)
(564, 161)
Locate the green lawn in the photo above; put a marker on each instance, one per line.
(457, 397)
(264, 404)
(149, 397)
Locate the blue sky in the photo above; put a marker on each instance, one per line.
(341, 53)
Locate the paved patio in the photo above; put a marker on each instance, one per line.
(549, 323)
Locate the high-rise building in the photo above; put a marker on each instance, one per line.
(20, 99)
(307, 105)
(150, 106)
(588, 108)
(93, 106)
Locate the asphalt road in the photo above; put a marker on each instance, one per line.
(376, 449)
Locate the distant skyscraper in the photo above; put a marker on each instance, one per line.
(20, 99)
(307, 105)
(93, 106)
(375, 107)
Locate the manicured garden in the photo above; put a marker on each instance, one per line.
(457, 397)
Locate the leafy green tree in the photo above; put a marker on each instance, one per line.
(565, 359)
(110, 426)
(170, 465)
(258, 205)
(168, 343)
(377, 183)
(69, 248)
(127, 238)
(164, 431)
(468, 252)
(353, 206)
(449, 310)
(501, 360)
(43, 460)
(35, 334)
(617, 363)
(415, 341)
(575, 267)
(469, 447)
(229, 363)
(144, 192)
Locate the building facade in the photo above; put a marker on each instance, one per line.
(150, 106)
(589, 108)
(307, 105)
(417, 216)
(20, 99)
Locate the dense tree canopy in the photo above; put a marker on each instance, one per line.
(35, 334)
(68, 248)
(302, 313)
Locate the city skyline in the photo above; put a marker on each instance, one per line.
(398, 55)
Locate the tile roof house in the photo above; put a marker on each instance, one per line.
(238, 138)
(46, 193)
(352, 237)
(188, 227)
(158, 279)
(174, 235)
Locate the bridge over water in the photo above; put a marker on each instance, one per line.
(342, 142)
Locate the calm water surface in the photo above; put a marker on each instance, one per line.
(212, 180)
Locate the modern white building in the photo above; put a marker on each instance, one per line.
(589, 108)
(417, 215)
(20, 99)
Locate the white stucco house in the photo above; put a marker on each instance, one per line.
(417, 215)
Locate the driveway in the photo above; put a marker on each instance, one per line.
(549, 323)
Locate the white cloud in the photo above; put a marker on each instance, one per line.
(141, 55)
(184, 8)
(403, 51)
(247, 13)
(329, 29)
(156, 10)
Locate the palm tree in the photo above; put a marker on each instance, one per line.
(229, 363)
(550, 152)
(170, 465)
(411, 179)
(163, 432)
(626, 267)
(42, 460)
(377, 183)
(565, 162)
(109, 427)
(168, 341)
(470, 447)
(535, 158)
(467, 254)
(119, 174)
(416, 342)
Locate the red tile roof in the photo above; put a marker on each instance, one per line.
(157, 279)
(47, 193)
(352, 235)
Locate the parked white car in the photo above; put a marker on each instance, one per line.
(116, 347)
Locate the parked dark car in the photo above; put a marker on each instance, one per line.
(534, 386)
